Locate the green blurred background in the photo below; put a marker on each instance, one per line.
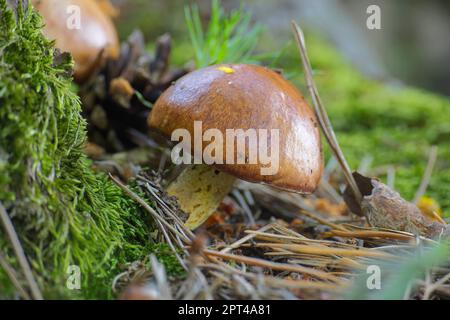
(412, 46)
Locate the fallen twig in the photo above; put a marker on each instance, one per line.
(13, 277)
(427, 175)
(324, 250)
(239, 242)
(321, 113)
(274, 265)
(20, 254)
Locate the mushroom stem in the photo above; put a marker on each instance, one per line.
(199, 190)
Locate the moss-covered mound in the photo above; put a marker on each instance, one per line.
(64, 213)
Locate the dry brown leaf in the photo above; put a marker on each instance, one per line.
(385, 208)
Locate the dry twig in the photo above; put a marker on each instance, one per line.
(20, 254)
(321, 113)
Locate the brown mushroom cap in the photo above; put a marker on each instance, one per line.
(247, 97)
(97, 32)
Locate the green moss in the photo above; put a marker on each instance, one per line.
(166, 257)
(395, 125)
(64, 213)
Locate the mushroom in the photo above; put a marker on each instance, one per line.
(85, 41)
(238, 96)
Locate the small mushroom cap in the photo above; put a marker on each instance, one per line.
(240, 96)
(96, 32)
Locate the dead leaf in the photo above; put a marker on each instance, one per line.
(385, 208)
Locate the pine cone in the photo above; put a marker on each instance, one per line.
(117, 98)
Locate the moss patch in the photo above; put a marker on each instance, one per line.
(64, 213)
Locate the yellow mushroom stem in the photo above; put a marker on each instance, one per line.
(199, 190)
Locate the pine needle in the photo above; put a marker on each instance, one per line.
(18, 250)
(321, 113)
(274, 265)
(13, 277)
(427, 175)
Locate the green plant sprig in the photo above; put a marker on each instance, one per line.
(228, 38)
